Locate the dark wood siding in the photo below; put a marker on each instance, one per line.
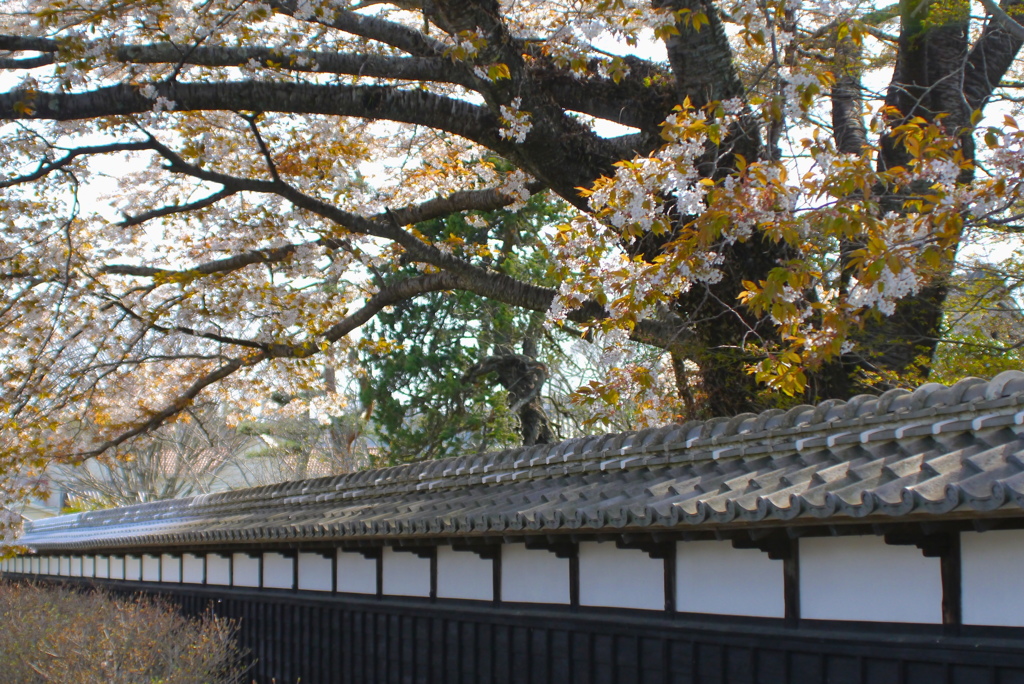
(324, 638)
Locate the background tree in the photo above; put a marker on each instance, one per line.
(451, 372)
(183, 458)
(983, 324)
(763, 218)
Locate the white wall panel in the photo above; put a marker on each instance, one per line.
(192, 568)
(713, 577)
(863, 578)
(464, 575)
(64, 566)
(277, 571)
(76, 566)
(34, 565)
(132, 568)
(150, 568)
(103, 567)
(621, 578)
(89, 566)
(405, 574)
(245, 570)
(170, 568)
(356, 573)
(533, 575)
(992, 572)
(218, 569)
(117, 568)
(315, 572)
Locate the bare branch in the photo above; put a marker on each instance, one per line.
(46, 167)
(176, 209)
(179, 404)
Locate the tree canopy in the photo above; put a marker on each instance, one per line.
(776, 210)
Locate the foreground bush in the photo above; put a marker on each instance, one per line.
(50, 634)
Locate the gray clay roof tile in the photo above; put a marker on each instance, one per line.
(935, 451)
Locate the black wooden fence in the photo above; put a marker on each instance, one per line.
(313, 639)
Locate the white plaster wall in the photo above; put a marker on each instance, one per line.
(76, 566)
(863, 578)
(150, 568)
(620, 578)
(246, 570)
(533, 575)
(64, 566)
(314, 572)
(132, 568)
(5, 565)
(89, 566)
(34, 566)
(992, 572)
(117, 567)
(192, 568)
(103, 567)
(277, 571)
(356, 574)
(464, 575)
(405, 574)
(713, 577)
(218, 569)
(170, 568)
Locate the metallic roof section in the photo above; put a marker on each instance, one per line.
(937, 451)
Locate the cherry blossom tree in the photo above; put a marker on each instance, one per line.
(763, 217)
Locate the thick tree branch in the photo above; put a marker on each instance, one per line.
(992, 56)
(435, 69)
(27, 43)
(404, 38)
(27, 63)
(371, 102)
(1007, 23)
(701, 59)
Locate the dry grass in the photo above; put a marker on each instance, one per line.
(58, 635)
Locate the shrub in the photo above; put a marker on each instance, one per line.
(56, 634)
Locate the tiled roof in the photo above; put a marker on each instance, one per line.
(938, 451)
